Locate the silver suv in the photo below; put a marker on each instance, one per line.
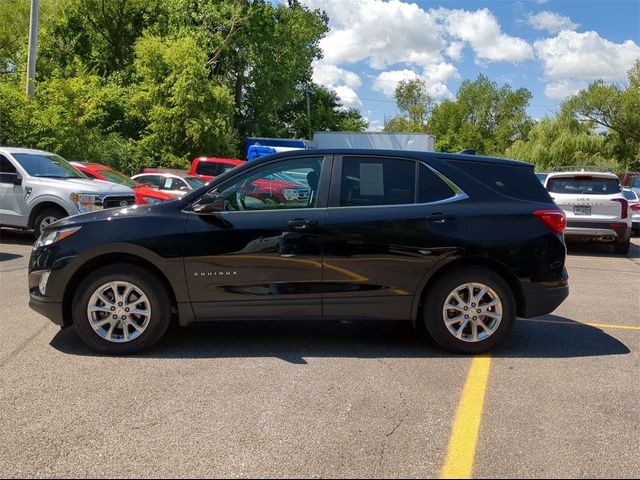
(38, 188)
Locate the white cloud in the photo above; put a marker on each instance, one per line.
(585, 56)
(482, 31)
(563, 88)
(331, 75)
(348, 97)
(386, 33)
(454, 51)
(435, 78)
(551, 22)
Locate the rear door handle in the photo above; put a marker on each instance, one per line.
(301, 223)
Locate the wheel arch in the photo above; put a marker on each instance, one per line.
(41, 207)
(488, 263)
(106, 259)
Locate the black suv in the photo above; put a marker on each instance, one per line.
(458, 243)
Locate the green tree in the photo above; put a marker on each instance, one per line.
(562, 140)
(414, 104)
(483, 116)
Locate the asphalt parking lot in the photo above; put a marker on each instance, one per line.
(561, 399)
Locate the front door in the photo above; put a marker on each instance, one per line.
(262, 256)
(13, 206)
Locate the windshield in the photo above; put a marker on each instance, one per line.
(584, 185)
(47, 165)
(117, 177)
(194, 182)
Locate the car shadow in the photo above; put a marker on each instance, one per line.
(293, 341)
(592, 249)
(5, 257)
(16, 237)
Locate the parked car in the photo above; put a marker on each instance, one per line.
(171, 184)
(595, 207)
(630, 179)
(542, 177)
(458, 244)
(144, 195)
(39, 188)
(208, 168)
(634, 209)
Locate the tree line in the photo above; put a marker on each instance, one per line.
(132, 83)
(599, 125)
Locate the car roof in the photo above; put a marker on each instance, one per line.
(12, 150)
(162, 174)
(420, 155)
(231, 161)
(582, 173)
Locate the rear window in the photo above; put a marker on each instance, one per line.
(212, 169)
(510, 180)
(584, 184)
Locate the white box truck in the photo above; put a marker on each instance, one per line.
(421, 142)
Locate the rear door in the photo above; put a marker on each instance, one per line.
(587, 198)
(390, 219)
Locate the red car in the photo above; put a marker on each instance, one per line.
(207, 168)
(144, 194)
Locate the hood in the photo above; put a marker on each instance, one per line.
(83, 185)
(111, 214)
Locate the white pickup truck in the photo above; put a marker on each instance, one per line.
(39, 188)
(593, 202)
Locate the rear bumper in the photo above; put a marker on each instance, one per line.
(604, 232)
(541, 299)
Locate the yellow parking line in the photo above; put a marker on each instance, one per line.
(580, 324)
(464, 435)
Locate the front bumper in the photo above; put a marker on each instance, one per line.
(51, 310)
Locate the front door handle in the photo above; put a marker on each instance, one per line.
(301, 224)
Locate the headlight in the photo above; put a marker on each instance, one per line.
(47, 238)
(86, 202)
(290, 194)
(152, 201)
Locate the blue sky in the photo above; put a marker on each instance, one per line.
(551, 47)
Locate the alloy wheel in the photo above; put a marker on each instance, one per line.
(472, 312)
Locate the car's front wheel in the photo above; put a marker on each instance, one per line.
(121, 309)
(469, 310)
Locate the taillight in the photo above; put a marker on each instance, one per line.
(625, 207)
(556, 220)
(636, 207)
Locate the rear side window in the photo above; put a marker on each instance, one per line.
(151, 180)
(431, 188)
(377, 181)
(6, 166)
(584, 184)
(629, 194)
(510, 180)
(212, 169)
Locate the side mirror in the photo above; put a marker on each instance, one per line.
(209, 203)
(13, 178)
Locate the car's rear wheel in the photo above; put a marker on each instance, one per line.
(470, 310)
(121, 309)
(46, 218)
(622, 247)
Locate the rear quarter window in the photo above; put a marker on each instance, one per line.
(510, 180)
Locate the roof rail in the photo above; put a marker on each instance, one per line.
(467, 151)
(583, 168)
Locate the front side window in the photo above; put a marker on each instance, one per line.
(287, 184)
(6, 166)
(47, 165)
(377, 181)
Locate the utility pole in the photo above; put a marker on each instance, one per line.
(33, 44)
(306, 90)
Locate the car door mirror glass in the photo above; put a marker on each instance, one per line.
(12, 178)
(209, 203)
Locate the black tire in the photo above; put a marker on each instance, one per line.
(437, 296)
(56, 213)
(622, 248)
(148, 283)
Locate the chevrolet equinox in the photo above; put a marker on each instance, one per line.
(459, 244)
